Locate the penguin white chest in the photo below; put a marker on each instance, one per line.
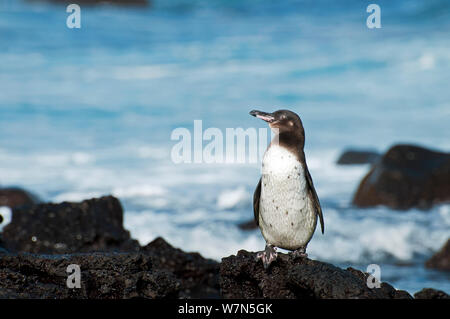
(286, 216)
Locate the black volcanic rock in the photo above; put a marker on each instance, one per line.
(103, 276)
(92, 225)
(95, 225)
(350, 157)
(157, 271)
(440, 260)
(406, 176)
(199, 277)
(430, 293)
(15, 197)
(243, 277)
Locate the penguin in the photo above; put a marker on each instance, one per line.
(285, 203)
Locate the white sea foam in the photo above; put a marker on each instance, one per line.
(139, 191)
(232, 198)
(6, 213)
(76, 196)
(378, 235)
(346, 240)
(62, 159)
(152, 152)
(193, 232)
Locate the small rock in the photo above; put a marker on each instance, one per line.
(430, 293)
(16, 197)
(243, 277)
(92, 225)
(440, 260)
(406, 176)
(350, 157)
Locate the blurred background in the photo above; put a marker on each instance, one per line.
(88, 112)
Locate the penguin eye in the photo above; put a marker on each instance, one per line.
(283, 117)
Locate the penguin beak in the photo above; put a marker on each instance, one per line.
(268, 117)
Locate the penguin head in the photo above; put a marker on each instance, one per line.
(282, 120)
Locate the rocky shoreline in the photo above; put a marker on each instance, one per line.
(42, 240)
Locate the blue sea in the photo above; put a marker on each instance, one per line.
(89, 112)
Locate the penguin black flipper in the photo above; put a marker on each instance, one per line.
(256, 197)
(314, 198)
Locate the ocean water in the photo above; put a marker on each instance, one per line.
(89, 112)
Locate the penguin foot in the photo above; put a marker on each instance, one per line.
(300, 253)
(267, 256)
